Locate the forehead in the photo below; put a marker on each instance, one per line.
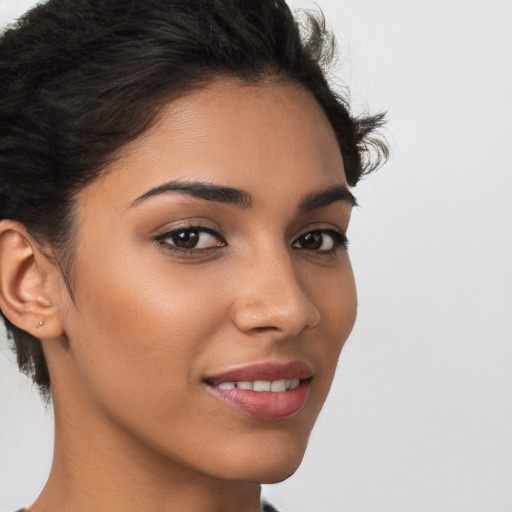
(258, 137)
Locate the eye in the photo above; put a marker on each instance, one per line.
(321, 240)
(190, 238)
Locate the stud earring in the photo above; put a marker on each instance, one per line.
(41, 323)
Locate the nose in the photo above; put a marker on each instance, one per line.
(271, 298)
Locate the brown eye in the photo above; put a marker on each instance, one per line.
(185, 239)
(312, 241)
(190, 239)
(327, 240)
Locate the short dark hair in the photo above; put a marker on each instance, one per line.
(79, 79)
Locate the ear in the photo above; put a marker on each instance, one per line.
(29, 289)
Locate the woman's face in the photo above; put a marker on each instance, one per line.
(212, 287)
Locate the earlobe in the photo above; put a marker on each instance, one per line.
(25, 288)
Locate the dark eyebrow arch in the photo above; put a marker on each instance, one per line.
(326, 197)
(207, 191)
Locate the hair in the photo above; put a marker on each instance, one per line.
(79, 79)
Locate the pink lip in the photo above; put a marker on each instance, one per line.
(262, 404)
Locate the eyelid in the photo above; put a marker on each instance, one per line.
(339, 236)
(321, 227)
(165, 238)
(167, 233)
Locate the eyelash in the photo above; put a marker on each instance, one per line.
(163, 238)
(339, 239)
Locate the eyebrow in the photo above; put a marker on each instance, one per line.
(207, 191)
(326, 197)
(241, 198)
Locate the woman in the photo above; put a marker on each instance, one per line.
(173, 263)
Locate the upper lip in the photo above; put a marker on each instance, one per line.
(269, 371)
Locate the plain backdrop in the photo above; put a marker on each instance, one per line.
(420, 414)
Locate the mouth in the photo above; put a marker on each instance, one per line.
(275, 386)
(265, 391)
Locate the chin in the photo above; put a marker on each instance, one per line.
(273, 472)
(270, 463)
(278, 474)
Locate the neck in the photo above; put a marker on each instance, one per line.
(100, 467)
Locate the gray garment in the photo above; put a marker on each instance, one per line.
(265, 507)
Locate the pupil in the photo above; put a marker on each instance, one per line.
(311, 241)
(186, 239)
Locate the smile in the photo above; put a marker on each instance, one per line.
(263, 385)
(264, 391)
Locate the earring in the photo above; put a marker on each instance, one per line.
(41, 323)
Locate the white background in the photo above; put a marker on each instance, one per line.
(420, 415)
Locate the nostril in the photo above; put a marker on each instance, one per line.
(262, 329)
(274, 306)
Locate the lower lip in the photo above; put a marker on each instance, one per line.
(265, 405)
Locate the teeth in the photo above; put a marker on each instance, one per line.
(244, 385)
(278, 385)
(263, 385)
(227, 385)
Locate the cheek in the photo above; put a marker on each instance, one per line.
(339, 303)
(140, 327)
(334, 294)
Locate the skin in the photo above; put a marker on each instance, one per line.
(136, 427)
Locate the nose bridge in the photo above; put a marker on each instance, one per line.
(272, 297)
